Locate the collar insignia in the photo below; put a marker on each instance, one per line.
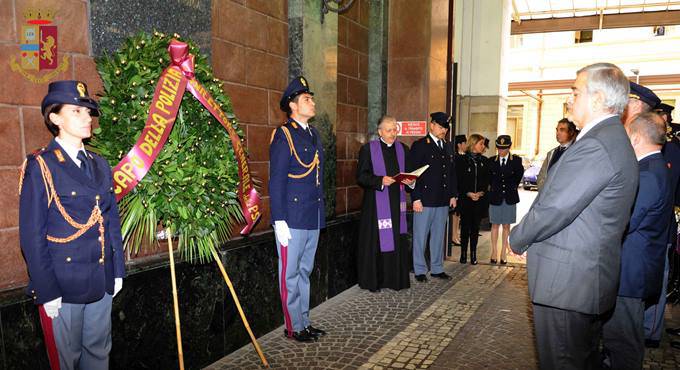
(60, 155)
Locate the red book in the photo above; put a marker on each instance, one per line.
(410, 175)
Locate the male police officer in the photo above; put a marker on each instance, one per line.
(70, 234)
(435, 191)
(297, 205)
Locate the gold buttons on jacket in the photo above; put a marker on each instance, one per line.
(101, 261)
(73, 193)
(68, 259)
(97, 197)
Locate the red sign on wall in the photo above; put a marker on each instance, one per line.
(411, 128)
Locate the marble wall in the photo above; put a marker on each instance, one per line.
(352, 101)
(143, 321)
(111, 22)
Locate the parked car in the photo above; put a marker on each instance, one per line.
(530, 178)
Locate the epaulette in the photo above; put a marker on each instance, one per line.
(36, 153)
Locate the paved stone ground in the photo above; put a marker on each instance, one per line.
(480, 319)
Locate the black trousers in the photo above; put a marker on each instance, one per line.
(623, 334)
(471, 214)
(566, 339)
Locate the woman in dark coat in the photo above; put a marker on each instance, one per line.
(473, 184)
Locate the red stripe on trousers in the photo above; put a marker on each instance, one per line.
(284, 290)
(50, 343)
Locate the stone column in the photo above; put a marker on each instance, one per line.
(313, 53)
(482, 37)
(377, 63)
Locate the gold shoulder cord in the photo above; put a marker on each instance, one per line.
(310, 166)
(95, 216)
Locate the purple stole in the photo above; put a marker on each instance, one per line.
(382, 197)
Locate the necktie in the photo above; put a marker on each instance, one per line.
(502, 162)
(85, 164)
(439, 144)
(556, 156)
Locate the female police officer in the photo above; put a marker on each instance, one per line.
(70, 233)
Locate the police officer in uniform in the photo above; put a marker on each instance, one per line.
(434, 193)
(297, 205)
(506, 172)
(70, 234)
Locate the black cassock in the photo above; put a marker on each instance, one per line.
(377, 269)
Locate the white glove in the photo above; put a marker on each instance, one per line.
(282, 232)
(52, 307)
(117, 285)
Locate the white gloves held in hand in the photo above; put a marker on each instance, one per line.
(52, 308)
(282, 232)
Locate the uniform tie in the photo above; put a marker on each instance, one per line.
(502, 162)
(440, 145)
(85, 164)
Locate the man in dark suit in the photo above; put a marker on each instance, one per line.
(70, 235)
(643, 253)
(565, 133)
(574, 228)
(434, 193)
(297, 205)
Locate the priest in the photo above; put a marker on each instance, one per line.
(382, 253)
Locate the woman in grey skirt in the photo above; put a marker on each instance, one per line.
(506, 172)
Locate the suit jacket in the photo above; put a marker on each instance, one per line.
(296, 195)
(574, 228)
(543, 173)
(504, 180)
(643, 254)
(69, 270)
(436, 186)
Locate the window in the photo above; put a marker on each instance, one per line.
(514, 125)
(583, 36)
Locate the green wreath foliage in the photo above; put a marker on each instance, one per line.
(191, 187)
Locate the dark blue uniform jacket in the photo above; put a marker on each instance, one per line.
(644, 248)
(69, 270)
(505, 179)
(298, 201)
(436, 186)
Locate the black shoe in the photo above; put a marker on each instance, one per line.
(473, 262)
(493, 261)
(441, 275)
(504, 262)
(463, 260)
(673, 331)
(421, 278)
(651, 343)
(315, 332)
(300, 336)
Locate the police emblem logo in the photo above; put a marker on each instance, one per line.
(303, 81)
(502, 141)
(81, 89)
(39, 47)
